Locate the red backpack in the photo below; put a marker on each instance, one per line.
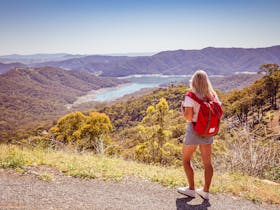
(209, 116)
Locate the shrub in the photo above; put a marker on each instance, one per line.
(254, 152)
(84, 132)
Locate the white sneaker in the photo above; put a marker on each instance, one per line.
(186, 191)
(204, 195)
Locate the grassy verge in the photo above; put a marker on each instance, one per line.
(93, 166)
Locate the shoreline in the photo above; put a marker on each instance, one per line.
(153, 75)
(91, 95)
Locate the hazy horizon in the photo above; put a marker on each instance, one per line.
(124, 54)
(129, 27)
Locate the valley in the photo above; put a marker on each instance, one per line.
(30, 96)
(35, 97)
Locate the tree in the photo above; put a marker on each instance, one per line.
(155, 135)
(272, 82)
(258, 95)
(239, 104)
(156, 119)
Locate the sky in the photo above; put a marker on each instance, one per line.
(134, 26)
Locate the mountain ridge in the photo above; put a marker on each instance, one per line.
(223, 61)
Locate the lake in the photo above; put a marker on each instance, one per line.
(137, 82)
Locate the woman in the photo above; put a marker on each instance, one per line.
(202, 88)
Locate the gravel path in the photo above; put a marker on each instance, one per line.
(28, 191)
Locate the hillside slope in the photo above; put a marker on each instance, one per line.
(30, 95)
(237, 81)
(6, 67)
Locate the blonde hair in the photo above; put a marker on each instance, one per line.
(201, 85)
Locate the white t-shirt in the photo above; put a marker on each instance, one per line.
(189, 102)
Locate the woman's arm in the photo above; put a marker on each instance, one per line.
(187, 113)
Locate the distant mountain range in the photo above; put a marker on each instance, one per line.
(222, 61)
(37, 58)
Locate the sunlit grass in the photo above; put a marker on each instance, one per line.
(93, 166)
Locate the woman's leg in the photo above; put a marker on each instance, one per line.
(205, 150)
(187, 153)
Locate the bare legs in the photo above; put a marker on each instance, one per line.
(187, 153)
(205, 151)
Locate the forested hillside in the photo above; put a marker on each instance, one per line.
(236, 81)
(31, 95)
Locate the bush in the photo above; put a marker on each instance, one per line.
(254, 152)
(83, 132)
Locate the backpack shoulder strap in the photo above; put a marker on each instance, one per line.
(194, 97)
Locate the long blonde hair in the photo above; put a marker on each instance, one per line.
(201, 85)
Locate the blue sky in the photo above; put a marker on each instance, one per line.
(105, 27)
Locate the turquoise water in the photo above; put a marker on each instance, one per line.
(137, 83)
(117, 92)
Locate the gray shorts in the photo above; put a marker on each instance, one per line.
(191, 138)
